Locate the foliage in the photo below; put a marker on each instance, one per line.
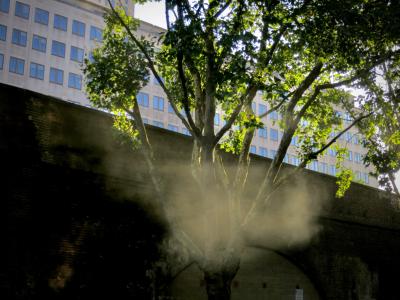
(383, 132)
(216, 56)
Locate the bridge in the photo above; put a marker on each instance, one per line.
(79, 222)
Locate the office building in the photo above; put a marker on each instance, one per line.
(42, 47)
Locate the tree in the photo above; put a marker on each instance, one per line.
(218, 55)
(383, 138)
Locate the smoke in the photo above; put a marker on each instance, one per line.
(289, 219)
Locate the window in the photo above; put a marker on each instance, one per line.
(158, 103)
(170, 109)
(357, 157)
(4, 5)
(274, 115)
(76, 54)
(41, 16)
(17, 65)
(60, 22)
(314, 165)
(1, 61)
(254, 107)
(262, 133)
(366, 178)
(22, 10)
(19, 37)
(262, 109)
(273, 134)
(356, 140)
(56, 76)
(185, 131)
(173, 128)
(216, 119)
(143, 99)
(96, 34)
(350, 155)
(358, 175)
(347, 118)
(253, 149)
(3, 33)
(272, 153)
(78, 28)
(91, 57)
(286, 159)
(322, 167)
(294, 141)
(75, 81)
(348, 137)
(332, 170)
(158, 124)
(263, 151)
(145, 121)
(332, 152)
(58, 49)
(295, 161)
(39, 43)
(36, 71)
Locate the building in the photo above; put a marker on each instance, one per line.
(42, 47)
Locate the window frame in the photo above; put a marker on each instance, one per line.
(173, 127)
(263, 133)
(5, 6)
(56, 25)
(53, 43)
(58, 71)
(74, 76)
(39, 38)
(94, 37)
(261, 150)
(20, 13)
(140, 99)
(272, 136)
(78, 32)
(38, 16)
(17, 60)
(37, 65)
(5, 32)
(1, 61)
(158, 124)
(158, 107)
(78, 50)
(20, 35)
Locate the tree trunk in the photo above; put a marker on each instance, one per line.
(218, 285)
(218, 276)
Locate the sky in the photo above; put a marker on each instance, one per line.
(154, 13)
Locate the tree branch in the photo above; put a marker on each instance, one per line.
(222, 9)
(274, 108)
(250, 96)
(151, 65)
(182, 76)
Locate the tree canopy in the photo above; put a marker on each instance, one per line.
(215, 56)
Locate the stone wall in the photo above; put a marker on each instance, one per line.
(80, 224)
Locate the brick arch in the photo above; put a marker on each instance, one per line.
(264, 274)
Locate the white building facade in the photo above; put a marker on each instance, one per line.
(42, 47)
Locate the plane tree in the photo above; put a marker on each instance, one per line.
(215, 56)
(382, 134)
